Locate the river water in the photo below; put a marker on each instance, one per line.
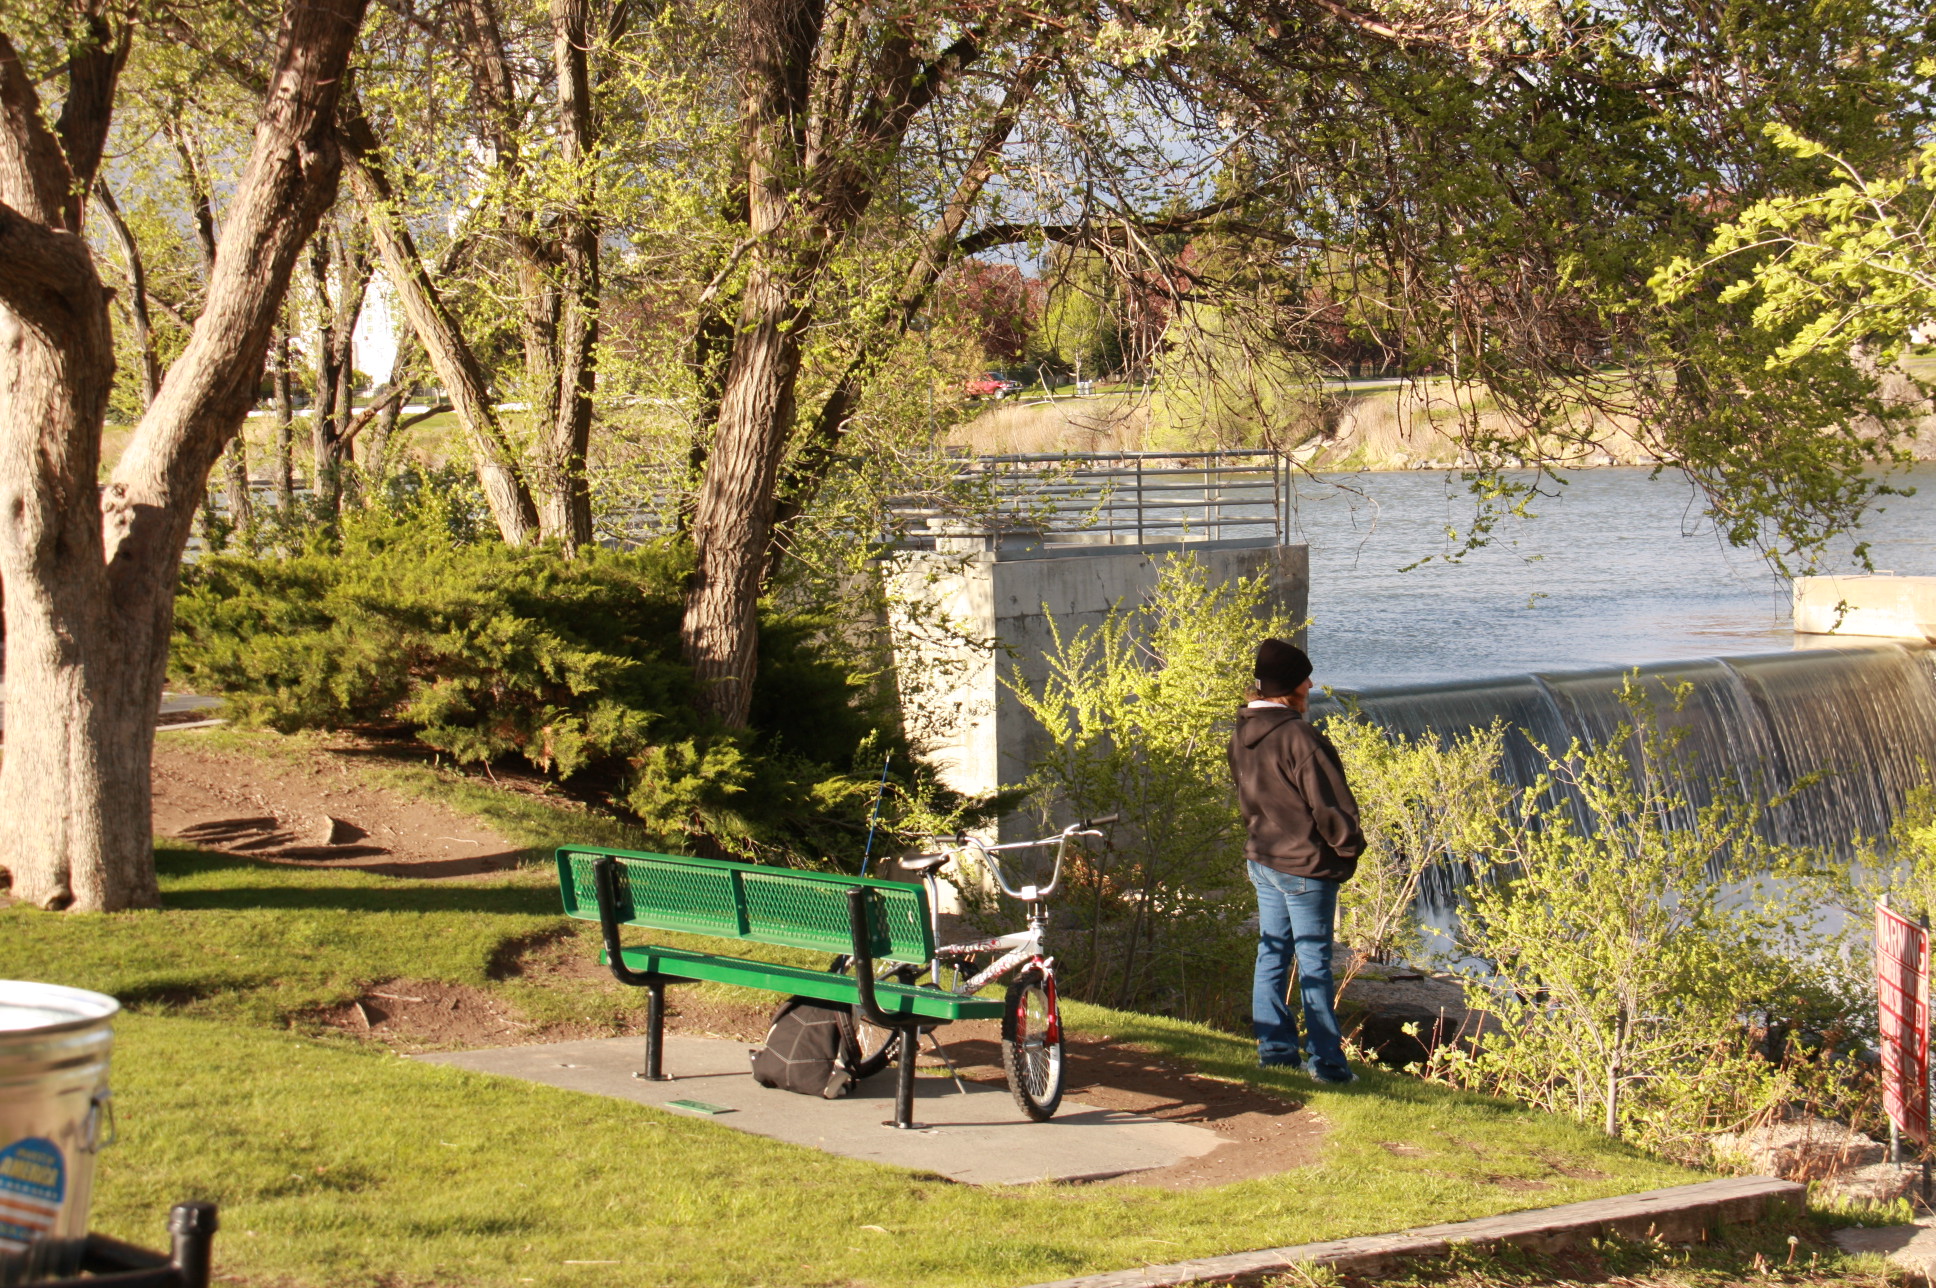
(1616, 569)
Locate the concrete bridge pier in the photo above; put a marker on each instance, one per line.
(969, 614)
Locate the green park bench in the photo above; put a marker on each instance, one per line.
(862, 920)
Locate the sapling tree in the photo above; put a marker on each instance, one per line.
(1137, 712)
(1422, 801)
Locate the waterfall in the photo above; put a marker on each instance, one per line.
(1864, 715)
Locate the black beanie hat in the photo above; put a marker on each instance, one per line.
(1281, 667)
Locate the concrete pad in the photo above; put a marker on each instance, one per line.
(1678, 1214)
(980, 1137)
(1913, 1247)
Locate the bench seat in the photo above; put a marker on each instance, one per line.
(827, 986)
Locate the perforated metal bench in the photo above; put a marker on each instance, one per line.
(864, 920)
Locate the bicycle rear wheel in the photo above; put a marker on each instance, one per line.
(879, 1047)
(1032, 1045)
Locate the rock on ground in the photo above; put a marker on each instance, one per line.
(1802, 1149)
(1876, 1183)
(1913, 1247)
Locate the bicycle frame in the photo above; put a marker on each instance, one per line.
(1021, 946)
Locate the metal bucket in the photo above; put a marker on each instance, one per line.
(53, 1099)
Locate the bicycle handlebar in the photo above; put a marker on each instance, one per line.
(1029, 893)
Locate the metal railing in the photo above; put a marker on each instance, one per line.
(1072, 498)
(1123, 498)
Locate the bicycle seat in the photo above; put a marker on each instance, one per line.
(924, 862)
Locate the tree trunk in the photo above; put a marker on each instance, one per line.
(285, 465)
(322, 402)
(374, 458)
(733, 519)
(1616, 1071)
(90, 572)
(73, 699)
(341, 277)
(450, 355)
(564, 438)
(373, 440)
(813, 161)
(235, 467)
(342, 406)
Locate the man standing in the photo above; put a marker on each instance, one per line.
(1304, 844)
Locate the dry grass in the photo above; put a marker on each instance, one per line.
(1409, 428)
(1106, 423)
(1418, 427)
(1412, 427)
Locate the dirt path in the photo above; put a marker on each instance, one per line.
(317, 812)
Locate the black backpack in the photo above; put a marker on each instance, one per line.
(811, 1049)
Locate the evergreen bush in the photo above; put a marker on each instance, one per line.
(488, 652)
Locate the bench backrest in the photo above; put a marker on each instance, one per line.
(750, 901)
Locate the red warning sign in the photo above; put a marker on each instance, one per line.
(1902, 999)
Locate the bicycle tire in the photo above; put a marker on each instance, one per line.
(1032, 1046)
(879, 1047)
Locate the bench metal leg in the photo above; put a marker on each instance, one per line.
(904, 1081)
(655, 1034)
(859, 911)
(193, 1226)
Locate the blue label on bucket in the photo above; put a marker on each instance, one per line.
(33, 1180)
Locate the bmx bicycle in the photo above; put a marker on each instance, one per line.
(1031, 1017)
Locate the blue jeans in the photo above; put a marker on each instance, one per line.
(1294, 915)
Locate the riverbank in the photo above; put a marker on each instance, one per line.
(1373, 426)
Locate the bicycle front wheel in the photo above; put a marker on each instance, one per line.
(1032, 1045)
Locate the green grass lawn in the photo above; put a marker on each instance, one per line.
(337, 1162)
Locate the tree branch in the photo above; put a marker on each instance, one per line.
(93, 69)
(390, 395)
(45, 273)
(289, 182)
(137, 300)
(34, 175)
(437, 330)
(1113, 231)
(817, 455)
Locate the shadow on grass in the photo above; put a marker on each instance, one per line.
(1235, 1057)
(200, 879)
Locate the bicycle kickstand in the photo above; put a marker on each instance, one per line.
(948, 1063)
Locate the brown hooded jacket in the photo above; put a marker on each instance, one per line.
(1302, 817)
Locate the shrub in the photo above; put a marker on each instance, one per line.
(1421, 801)
(1631, 954)
(1138, 712)
(487, 652)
